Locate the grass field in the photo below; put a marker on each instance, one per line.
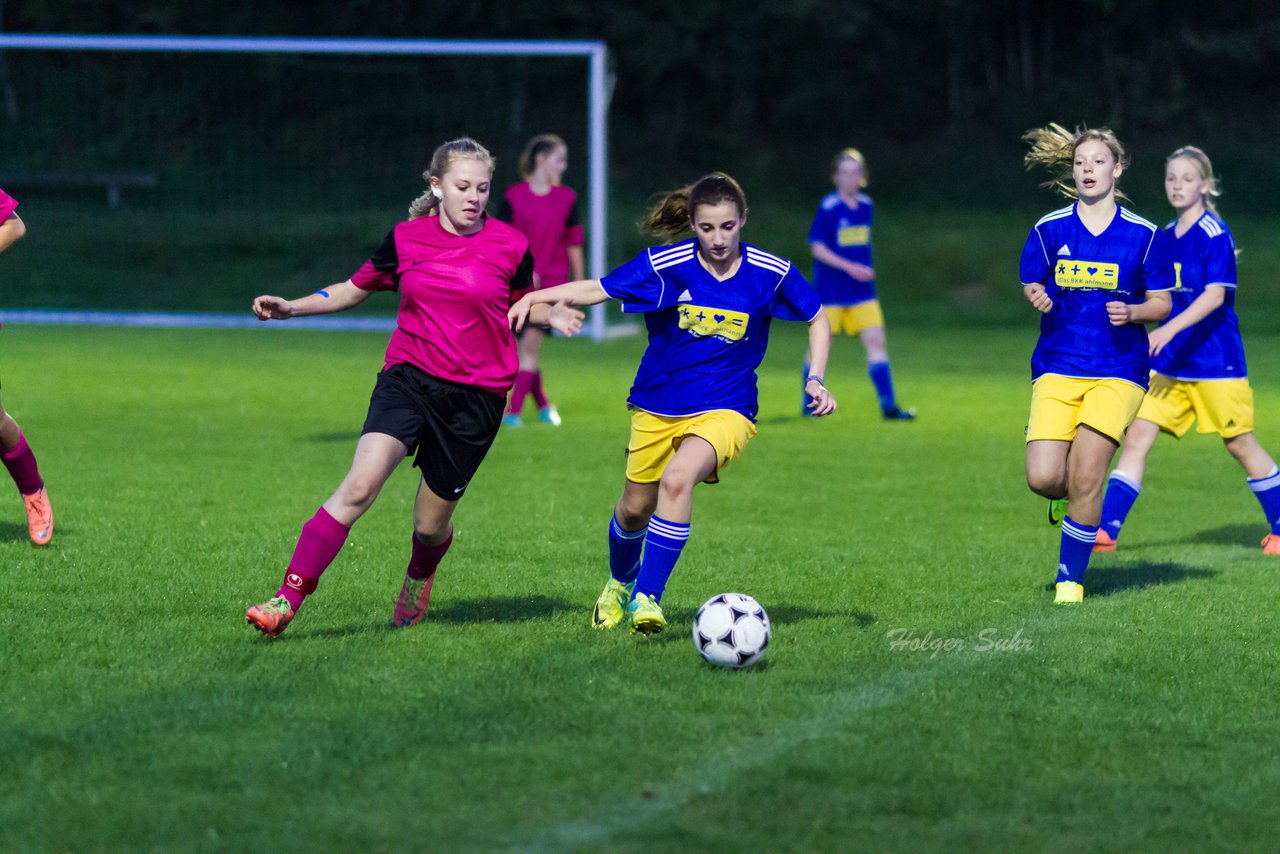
(139, 712)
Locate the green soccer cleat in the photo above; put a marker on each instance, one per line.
(611, 607)
(646, 616)
(1057, 511)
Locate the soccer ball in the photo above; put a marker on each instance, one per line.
(731, 630)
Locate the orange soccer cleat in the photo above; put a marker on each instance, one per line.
(1104, 543)
(270, 617)
(411, 605)
(39, 516)
(1271, 544)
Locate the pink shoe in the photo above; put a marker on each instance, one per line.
(411, 606)
(39, 517)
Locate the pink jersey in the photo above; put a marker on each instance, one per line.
(454, 296)
(7, 205)
(551, 224)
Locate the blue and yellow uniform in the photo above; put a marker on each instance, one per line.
(706, 339)
(1083, 369)
(1201, 373)
(851, 305)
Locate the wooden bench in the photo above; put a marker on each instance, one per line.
(112, 182)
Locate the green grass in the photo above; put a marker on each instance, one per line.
(139, 712)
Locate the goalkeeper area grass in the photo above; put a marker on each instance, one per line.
(921, 691)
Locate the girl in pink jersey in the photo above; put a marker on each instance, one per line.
(14, 450)
(449, 364)
(546, 212)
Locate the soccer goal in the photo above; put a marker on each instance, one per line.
(185, 165)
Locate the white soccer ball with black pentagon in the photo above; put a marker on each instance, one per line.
(731, 630)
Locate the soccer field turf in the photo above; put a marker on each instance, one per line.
(139, 711)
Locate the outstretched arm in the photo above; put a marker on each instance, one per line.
(331, 300)
(582, 292)
(819, 349)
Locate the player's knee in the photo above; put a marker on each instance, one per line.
(1047, 482)
(633, 513)
(674, 486)
(358, 492)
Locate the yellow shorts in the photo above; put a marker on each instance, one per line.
(1061, 404)
(1224, 407)
(852, 319)
(655, 438)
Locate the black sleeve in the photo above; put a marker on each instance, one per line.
(574, 219)
(523, 277)
(505, 213)
(386, 259)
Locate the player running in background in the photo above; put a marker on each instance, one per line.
(449, 364)
(708, 302)
(1097, 272)
(1197, 356)
(845, 278)
(546, 212)
(14, 450)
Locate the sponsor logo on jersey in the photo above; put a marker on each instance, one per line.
(1087, 274)
(718, 322)
(853, 235)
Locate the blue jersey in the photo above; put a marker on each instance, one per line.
(706, 337)
(845, 231)
(1082, 272)
(1212, 348)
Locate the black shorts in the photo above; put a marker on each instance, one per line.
(450, 425)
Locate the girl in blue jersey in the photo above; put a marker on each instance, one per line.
(1197, 356)
(1096, 272)
(840, 240)
(708, 302)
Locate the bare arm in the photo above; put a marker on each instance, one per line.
(1153, 309)
(823, 253)
(331, 300)
(581, 292)
(11, 230)
(819, 349)
(1200, 308)
(1036, 295)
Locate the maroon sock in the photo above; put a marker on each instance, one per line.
(425, 558)
(321, 540)
(535, 386)
(21, 463)
(518, 392)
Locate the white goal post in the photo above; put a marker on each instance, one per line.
(598, 91)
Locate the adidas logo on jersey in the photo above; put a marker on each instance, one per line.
(1064, 250)
(685, 297)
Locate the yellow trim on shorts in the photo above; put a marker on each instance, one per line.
(656, 438)
(852, 319)
(1224, 407)
(1060, 404)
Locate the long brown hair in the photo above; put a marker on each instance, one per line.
(1054, 147)
(455, 149)
(673, 214)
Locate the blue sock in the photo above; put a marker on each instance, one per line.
(624, 551)
(882, 379)
(805, 399)
(1073, 554)
(1122, 491)
(662, 550)
(1267, 491)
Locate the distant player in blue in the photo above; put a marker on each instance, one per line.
(840, 239)
(707, 303)
(1197, 356)
(1097, 272)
